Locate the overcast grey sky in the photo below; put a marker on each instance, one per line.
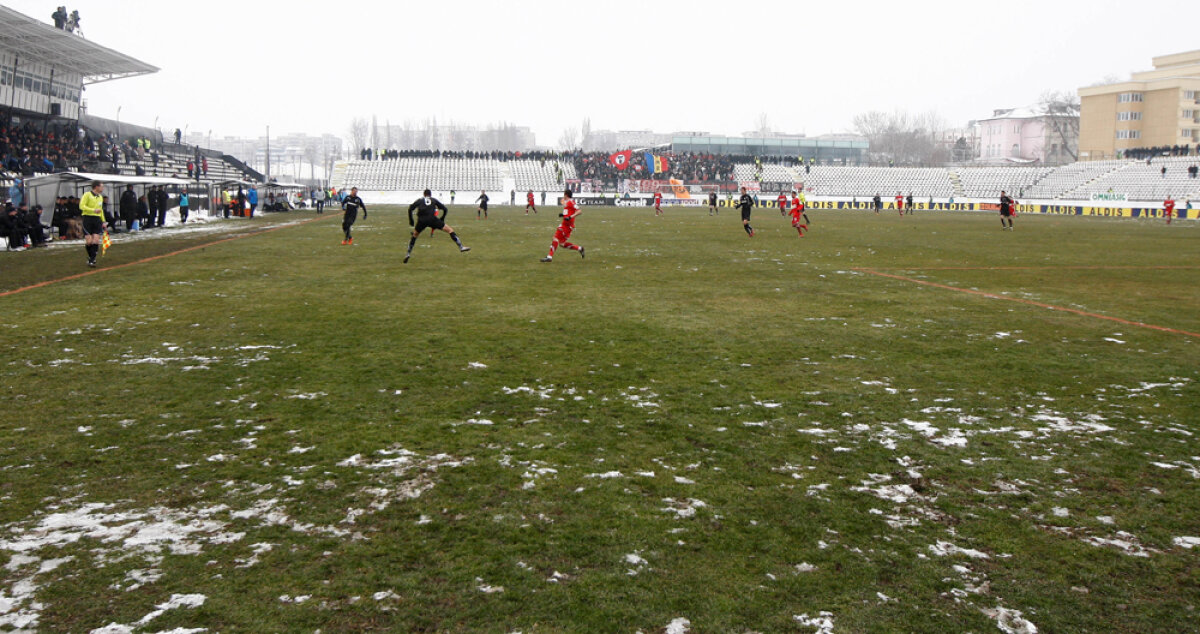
(304, 66)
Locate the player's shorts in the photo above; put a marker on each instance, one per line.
(483, 205)
(349, 217)
(562, 235)
(1006, 213)
(745, 215)
(429, 223)
(93, 225)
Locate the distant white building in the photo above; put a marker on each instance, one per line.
(1023, 135)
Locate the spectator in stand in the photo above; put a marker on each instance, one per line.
(129, 206)
(143, 209)
(34, 227)
(60, 18)
(16, 194)
(190, 168)
(164, 203)
(252, 198)
(184, 203)
(12, 228)
(152, 207)
(178, 136)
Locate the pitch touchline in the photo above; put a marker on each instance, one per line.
(1032, 268)
(1030, 303)
(155, 257)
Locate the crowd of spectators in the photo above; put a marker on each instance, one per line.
(36, 147)
(368, 154)
(1150, 153)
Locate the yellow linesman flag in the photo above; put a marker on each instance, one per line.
(105, 243)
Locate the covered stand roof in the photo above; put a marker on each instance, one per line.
(43, 43)
(116, 179)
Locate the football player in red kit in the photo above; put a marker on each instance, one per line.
(782, 202)
(563, 233)
(529, 203)
(798, 213)
(1169, 208)
(900, 202)
(658, 204)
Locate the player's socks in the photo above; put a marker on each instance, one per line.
(805, 219)
(749, 230)
(454, 237)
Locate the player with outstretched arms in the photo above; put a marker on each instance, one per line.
(427, 208)
(563, 233)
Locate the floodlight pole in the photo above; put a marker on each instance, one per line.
(268, 154)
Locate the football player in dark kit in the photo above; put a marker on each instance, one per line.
(712, 203)
(1006, 211)
(351, 204)
(427, 208)
(482, 200)
(746, 203)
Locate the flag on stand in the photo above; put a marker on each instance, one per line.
(105, 242)
(656, 164)
(620, 160)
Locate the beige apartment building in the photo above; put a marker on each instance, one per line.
(1155, 108)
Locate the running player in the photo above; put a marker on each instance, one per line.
(529, 203)
(482, 200)
(1006, 211)
(900, 202)
(1169, 208)
(658, 204)
(798, 213)
(746, 203)
(712, 203)
(563, 233)
(350, 206)
(427, 208)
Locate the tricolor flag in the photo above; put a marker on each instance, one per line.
(620, 160)
(105, 242)
(656, 164)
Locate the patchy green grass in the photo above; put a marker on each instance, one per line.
(279, 433)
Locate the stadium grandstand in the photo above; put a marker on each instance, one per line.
(45, 130)
(1134, 180)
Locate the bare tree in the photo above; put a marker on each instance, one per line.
(903, 137)
(569, 139)
(358, 134)
(762, 125)
(1060, 109)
